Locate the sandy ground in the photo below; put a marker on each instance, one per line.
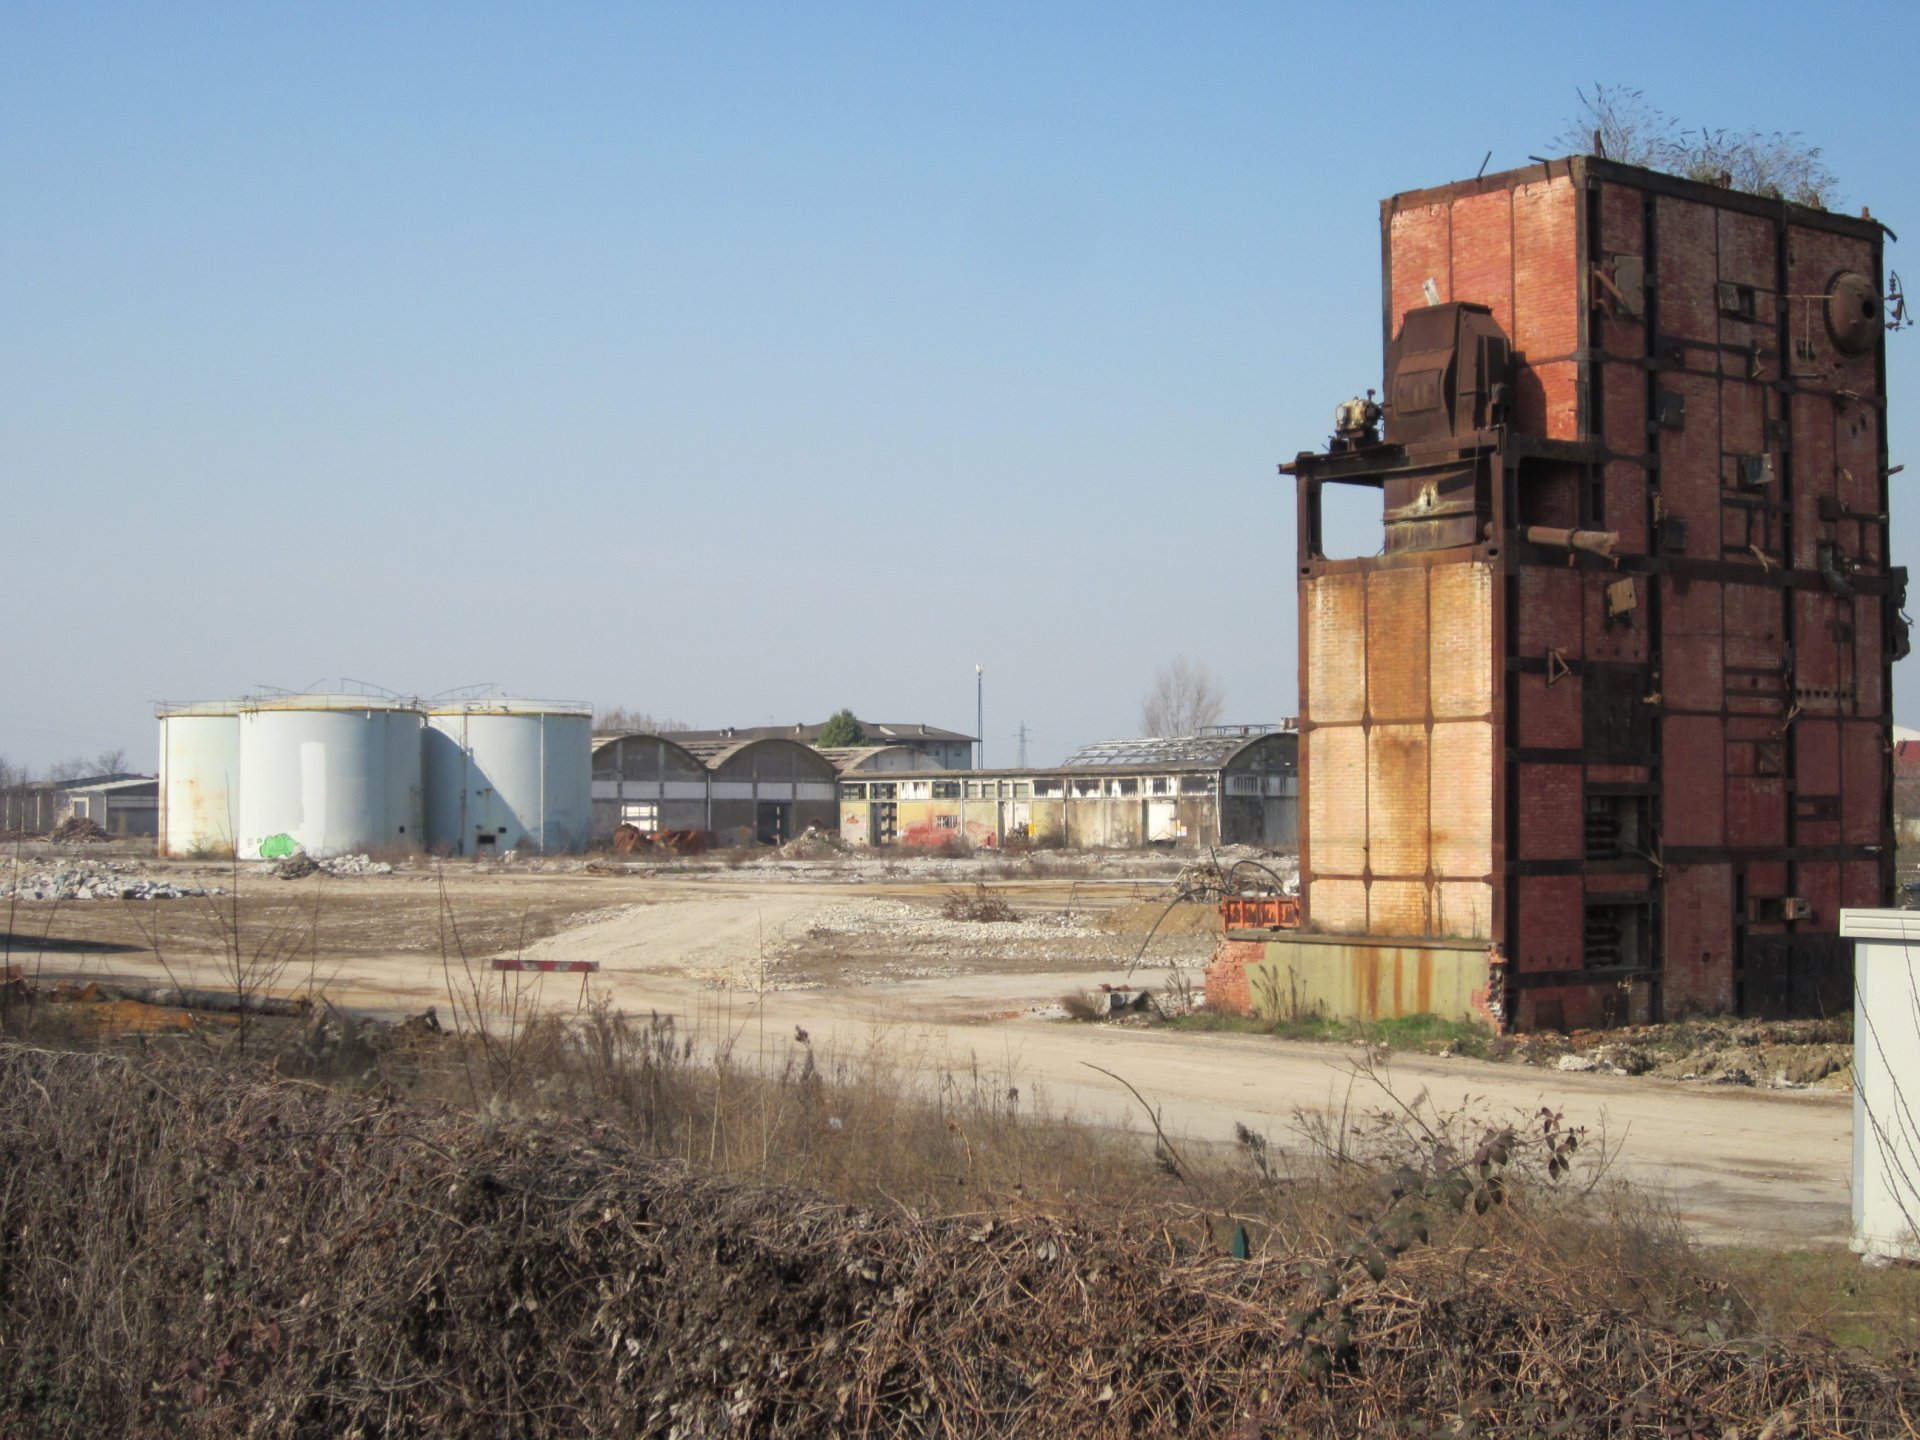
(764, 954)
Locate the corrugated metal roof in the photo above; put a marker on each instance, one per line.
(875, 731)
(1170, 752)
(852, 757)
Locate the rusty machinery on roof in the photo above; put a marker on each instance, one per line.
(1614, 697)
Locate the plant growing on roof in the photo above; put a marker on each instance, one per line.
(1620, 123)
(842, 729)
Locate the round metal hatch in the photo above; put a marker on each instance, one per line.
(1853, 312)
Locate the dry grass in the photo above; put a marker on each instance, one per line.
(195, 1249)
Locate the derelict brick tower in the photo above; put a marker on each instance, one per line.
(1614, 698)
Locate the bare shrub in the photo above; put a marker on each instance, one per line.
(980, 904)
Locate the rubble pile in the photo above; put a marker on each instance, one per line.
(299, 865)
(79, 830)
(811, 844)
(1767, 1054)
(103, 881)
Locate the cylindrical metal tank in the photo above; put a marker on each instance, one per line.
(199, 777)
(330, 775)
(507, 775)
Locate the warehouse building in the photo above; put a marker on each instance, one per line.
(1238, 788)
(947, 749)
(742, 791)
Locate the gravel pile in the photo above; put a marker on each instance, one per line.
(105, 881)
(926, 944)
(300, 864)
(901, 920)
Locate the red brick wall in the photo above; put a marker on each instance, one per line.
(1228, 992)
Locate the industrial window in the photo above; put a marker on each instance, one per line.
(1022, 789)
(1086, 787)
(1617, 826)
(1126, 787)
(1160, 785)
(1618, 935)
(914, 790)
(1736, 301)
(1196, 784)
(853, 790)
(884, 790)
(946, 789)
(1045, 787)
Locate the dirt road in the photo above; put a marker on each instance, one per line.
(1754, 1166)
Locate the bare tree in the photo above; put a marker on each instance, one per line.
(1620, 123)
(111, 762)
(619, 717)
(74, 767)
(1183, 699)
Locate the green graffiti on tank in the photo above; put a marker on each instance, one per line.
(276, 846)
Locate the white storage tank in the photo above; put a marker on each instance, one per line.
(199, 777)
(508, 775)
(330, 775)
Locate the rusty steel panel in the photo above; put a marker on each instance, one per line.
(1260, 912)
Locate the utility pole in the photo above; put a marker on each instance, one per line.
(1021, 736)
(979, 718)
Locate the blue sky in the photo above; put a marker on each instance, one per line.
(741, 362)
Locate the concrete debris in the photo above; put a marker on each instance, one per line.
(104, 881)
(1578, 1064)
(299, 865)
(78, 829)
(811, 844)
